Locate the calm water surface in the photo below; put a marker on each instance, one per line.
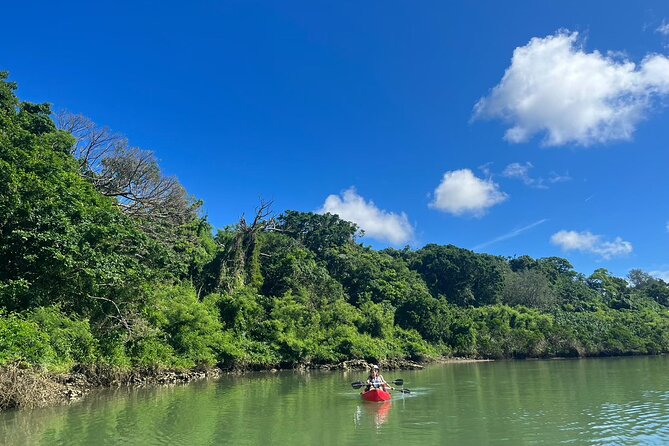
(580, 402)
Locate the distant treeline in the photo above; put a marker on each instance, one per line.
(105, 261)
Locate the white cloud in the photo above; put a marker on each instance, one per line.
(557, 178)
(663, 28)
(522, 172)
(554, 86)
(461, 192)
(485, 168)
(377, 223)
(667, 226)
(590, 243)
(518, 170)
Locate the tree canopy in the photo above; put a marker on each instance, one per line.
(105, 260)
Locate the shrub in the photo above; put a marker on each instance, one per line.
(22, 340)
(190, 327)
(71, 340)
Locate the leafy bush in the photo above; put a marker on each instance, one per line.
(190, 327)
(22, 340)
(71, 340)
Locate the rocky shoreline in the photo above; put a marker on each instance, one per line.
(361, 364)
(25, 387)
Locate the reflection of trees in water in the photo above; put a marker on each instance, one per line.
(249, 409)
(114, 416)
(19, 428)
(473, 403)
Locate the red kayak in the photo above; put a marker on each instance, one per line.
(375, 395)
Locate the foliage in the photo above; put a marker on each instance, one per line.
(461, 276)
(22, 340)
(189, 328)
(316, 232)
(71, 339)
(61, 242)
(105, 268)
(530, 288)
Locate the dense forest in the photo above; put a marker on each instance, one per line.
(106, 261)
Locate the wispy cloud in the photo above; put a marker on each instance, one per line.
(485, 168)
(663, 28)
(511, 234)
(557, 178)
(521, 171)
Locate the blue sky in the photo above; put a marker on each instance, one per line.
(397, 114)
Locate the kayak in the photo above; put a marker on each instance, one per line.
(375, 395)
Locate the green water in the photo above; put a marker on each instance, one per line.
(595, 401)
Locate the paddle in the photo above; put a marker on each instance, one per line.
(398, 382)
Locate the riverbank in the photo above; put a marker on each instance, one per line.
(470, 403)
(26, 387)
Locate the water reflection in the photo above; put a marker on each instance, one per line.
(374, 412)
(590, 402)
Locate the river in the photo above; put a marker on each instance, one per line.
(579, 402)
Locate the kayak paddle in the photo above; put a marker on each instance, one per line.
(399, 382)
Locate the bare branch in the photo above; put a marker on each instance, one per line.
(120, 316)
(93, 143)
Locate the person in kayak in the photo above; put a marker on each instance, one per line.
(375, 379)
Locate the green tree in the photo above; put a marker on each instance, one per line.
(462, 276)
(318, 232)
(529, 287)
(60, 240)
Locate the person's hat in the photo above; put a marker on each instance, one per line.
(375, 367)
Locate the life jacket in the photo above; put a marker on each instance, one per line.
(376, 381)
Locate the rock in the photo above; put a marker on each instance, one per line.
(401, 364)
(355, 364)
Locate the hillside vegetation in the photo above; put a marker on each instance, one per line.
(107, 262)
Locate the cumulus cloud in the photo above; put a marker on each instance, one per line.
(555, 87)
(590, 243)
(377, 223)
(461, 192)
